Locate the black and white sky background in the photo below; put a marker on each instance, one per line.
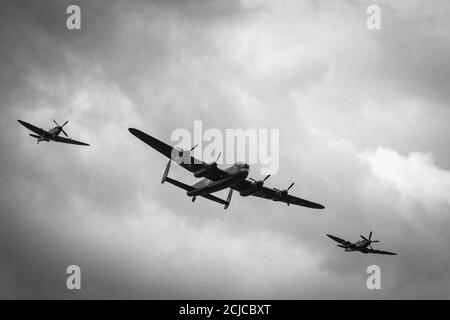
(364, 129)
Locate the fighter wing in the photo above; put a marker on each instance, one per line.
(189, 162)
(67, 140)
(381, 252)
(270, 193)
(340, 241)
(37, 130)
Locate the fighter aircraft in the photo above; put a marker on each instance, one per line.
(50, 135)
(364, 245)
(215, 179)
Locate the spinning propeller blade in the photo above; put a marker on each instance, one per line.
(370, 240)
(287, 190)
(263, 180)
(61, 127)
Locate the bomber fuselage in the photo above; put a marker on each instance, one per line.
(236, 174)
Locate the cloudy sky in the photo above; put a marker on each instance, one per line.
(363, 118)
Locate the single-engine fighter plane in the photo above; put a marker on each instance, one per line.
(215, 179)
(364, 245)
(50, 135)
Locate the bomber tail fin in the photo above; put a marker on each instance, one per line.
(228, 199)
(166, 172)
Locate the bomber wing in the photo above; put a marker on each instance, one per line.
(271, 193)
(190, 163)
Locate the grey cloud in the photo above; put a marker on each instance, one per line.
(161, 65)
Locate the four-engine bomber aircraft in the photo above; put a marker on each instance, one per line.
(364, 245)
(215, 179)
(51, 135)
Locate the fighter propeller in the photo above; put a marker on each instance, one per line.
(370, 241)
(61, 127)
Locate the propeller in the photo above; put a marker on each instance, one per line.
(207, 167)
(258, 184)
(190, 150)
(181, 154)
(284, 193)
(214, 164)
(260, 181)
(61, 127)
(370, 239)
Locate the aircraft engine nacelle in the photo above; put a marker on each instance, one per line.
(280, 195)
(203, 171)
(255, 187)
